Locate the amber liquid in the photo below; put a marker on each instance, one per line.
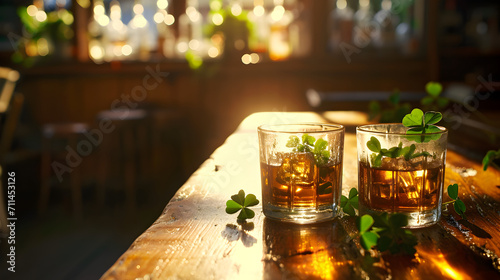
(408, 190)
(299, 183)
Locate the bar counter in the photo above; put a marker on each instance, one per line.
(194, 238)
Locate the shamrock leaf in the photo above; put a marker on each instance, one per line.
(373, 145)
(420, 123)
(241, 202)
(293, 142)
(232, 207)
(386, 232)
(368, 239)
(458, 204)
(433, 89)
(415, 118)
(239, 198)
(432, 117)
(250, 200)
(459, 207)
(310, 145)
(364, 223)
(349, 204)
(453, 191)
(246, 214)
(308, 139)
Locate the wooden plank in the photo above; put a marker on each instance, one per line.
(195, 239)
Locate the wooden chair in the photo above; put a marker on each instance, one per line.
(11, 111)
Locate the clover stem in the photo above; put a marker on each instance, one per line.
(448, 202)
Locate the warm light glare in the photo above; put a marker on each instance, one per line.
(169, 19)
(182, 47)
(236, 9)
(215, 5)
(65, 16)
(139, 21)
(117, 51)
(194, 44)
(193, 14)
(96, 52)
(31, 49)
(103, 20)
(246, 59)
(364, 3)
(440, 262)
(278, 13)
(259, 11)
(32, 10)
(213, 52)
(158, 17)
(126, 50)
(217, 19)
(162, 4)
(217, 39)
(99, 10)
(115, 11)
(138, 9)
(341, 4)
(41, 16)
(43, 47)
(255, 58)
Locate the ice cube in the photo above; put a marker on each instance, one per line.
(303, 167)
(389, 163)
(417, 163)
(297, 168)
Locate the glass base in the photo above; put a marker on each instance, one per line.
(417, 219)
(300, 216)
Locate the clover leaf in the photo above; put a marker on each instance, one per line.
(433, 100)
(458, 204)
(240, 202)
(407, 152)
(348, 204)
(309, 144)
(433, 89)
(386, 232)
(420, 123)
(368, 239)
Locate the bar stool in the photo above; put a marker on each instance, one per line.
(123, 154)
(63, 152)
(167, 137)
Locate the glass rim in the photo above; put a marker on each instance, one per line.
(289, 128)
(363, 128)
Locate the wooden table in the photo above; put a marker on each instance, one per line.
(195, 239)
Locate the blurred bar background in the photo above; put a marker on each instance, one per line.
(118, 102)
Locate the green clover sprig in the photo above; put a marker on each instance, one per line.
(241, 202)
(348, 204)
(386, 232)
(458, 204)
(433, 100)
(420, 123)
(407, 152)
(309, 144)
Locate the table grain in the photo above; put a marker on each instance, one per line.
(195, 239)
